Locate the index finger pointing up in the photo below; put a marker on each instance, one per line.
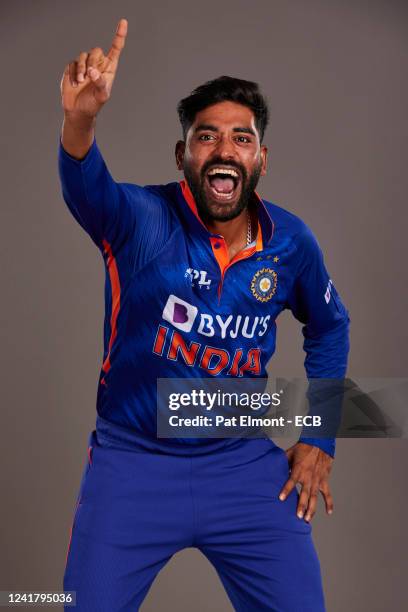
(118, 41)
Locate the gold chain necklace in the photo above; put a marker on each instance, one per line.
(249, 229)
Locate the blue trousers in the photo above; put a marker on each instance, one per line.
(141, 501)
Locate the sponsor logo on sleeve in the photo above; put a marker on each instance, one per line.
(327, 295)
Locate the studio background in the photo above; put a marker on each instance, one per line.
(335, 76)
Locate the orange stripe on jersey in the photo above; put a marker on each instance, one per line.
(71, 529)
(259, 241)
(115, 288)
(189, 198)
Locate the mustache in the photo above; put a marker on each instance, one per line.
(217, 160)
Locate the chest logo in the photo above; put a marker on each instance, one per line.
(179, 313)
(263, 284)
(198, 277)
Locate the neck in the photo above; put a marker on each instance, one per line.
(233, 231)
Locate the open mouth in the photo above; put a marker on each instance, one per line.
(223, 182)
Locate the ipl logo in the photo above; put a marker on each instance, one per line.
(198, 275)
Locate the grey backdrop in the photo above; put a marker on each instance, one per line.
(335, 74)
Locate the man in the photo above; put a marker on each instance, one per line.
(196, 274)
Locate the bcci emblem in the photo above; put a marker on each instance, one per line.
(263, 284)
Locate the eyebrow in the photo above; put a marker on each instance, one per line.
(212, 128)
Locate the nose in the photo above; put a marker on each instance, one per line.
(226, 149)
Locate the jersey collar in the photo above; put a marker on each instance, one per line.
(265, 222)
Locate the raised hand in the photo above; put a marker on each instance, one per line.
(87, 81)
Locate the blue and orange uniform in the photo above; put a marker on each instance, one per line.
(175, 306)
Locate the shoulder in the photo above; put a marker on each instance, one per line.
(154, 198)
(150, 192)
(287, 225)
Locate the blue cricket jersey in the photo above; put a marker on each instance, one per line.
(175, 306)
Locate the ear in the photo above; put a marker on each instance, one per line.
(264, 159)
(179, 152)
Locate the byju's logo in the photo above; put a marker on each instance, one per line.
(179, 313)
(198, 277)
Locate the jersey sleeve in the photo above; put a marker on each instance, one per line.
(315, 302)
(109, 211)
(97, 202)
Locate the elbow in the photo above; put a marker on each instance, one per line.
(327, 352)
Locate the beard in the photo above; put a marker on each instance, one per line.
(210, 210)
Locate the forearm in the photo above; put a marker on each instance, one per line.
(77, 134)
(326, 366)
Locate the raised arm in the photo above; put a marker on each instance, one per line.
(119, 217)
(105, 209)
(86, 86)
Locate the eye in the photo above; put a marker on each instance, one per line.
(206, 137)
(244, 139)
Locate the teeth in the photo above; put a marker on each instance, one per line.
(223, 171)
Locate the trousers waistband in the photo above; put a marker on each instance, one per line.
(114, 435)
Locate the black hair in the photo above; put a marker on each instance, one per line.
(222, 89)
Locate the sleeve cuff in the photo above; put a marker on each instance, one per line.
(328, 445)
(85, 161)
